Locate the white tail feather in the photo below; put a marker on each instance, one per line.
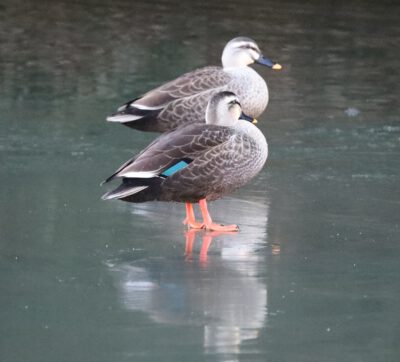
(138, 174)
(123, 193)
(147, 108)
(123, 118)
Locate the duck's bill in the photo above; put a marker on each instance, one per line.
(268, 62)
(248, 118)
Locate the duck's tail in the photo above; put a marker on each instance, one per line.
(136, 190)
(135, 116)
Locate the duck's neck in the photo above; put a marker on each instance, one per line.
(218, 115)
(234, 66)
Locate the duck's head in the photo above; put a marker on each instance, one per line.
(244, 51)
(224, 109)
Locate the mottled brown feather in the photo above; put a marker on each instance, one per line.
(188, 84)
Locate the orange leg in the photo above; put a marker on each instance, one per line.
(208, 223)
(190, 220)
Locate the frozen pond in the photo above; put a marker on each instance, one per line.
(313, 274)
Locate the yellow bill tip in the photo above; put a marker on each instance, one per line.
(277, 66)
(254, 121)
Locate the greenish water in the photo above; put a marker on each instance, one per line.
(313, 274)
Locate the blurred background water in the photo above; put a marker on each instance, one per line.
(313, 274)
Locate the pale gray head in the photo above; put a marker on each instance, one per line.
(243, 51)
(223, 109)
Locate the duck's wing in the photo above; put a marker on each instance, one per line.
(154, 101)
(173, 151)
(221, 169)
(194, 82)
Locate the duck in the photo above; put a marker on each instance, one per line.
(196, 163)
(184, 99)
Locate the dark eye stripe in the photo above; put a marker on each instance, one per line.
(234, 102)
(252, 47)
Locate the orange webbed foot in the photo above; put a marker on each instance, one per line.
(209, 224)
(192, 224)
(219, 227)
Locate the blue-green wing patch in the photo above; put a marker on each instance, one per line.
(175, 168)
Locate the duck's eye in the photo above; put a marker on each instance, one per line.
(234, 102)
(251, 47)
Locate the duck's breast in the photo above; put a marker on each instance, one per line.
(247, 156)
(254, 150)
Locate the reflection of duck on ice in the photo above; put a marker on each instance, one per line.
(222, 293)
(229, 304)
